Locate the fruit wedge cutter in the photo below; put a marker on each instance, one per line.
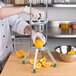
(41, 25)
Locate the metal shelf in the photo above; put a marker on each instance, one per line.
(62, 36)
(34, 5)
(64, 5)
(43, 5)
(53, 33)
(56, 33)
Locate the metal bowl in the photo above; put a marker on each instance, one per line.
(62, 53)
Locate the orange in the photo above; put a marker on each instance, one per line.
(39, 43)
(38, 65)
(46, 64)
(43, 60)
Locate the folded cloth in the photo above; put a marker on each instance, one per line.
(2, 63)
(1, 67)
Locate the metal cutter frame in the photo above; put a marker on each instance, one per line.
(44, 48)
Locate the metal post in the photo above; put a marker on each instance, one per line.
(30, 23)
(51, 56)
(23, 61)
(46, 19)
(36, 53)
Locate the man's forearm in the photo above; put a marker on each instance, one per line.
(9, 11)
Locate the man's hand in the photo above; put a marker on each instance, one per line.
(34, 12)
(38, 35)
(35, 35)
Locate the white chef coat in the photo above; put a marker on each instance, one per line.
(18, 25)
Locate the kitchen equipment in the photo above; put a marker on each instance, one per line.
(6, 1)
(39, 23)
(67, 1)
(12, 1)
(34, 1)
(63, 53)
(49, 1)
(73, 24)
(59, 1)
(38, 1)
(42, 1)
(19, 1)
(70, 1)
(26, 1)
(65, 27)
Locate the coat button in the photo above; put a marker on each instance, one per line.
(6, 46)
(3, 35)
(18, 17)
(2, 24)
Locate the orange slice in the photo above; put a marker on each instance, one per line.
(32, 61)
(42, 60)
(38, 65)
(46, 64)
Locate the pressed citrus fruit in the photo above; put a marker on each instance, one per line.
(38, 65)
(22, 52)
(18, 54)
(39, 43)
(46, 64)
(71, 52)
(43, 60)
(32, 61)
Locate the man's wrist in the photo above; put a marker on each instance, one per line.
(27, 30)
(22, 9)
(25, 9)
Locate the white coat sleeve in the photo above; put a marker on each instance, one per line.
(1, 4)
(0, 7)
(18, 24)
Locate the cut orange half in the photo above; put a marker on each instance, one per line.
(39, 43)
(71, 52)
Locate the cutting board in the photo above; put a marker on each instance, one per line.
(14, 67)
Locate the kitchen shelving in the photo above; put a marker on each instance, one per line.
(52, 32)
(56, 33)
(42, 5)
